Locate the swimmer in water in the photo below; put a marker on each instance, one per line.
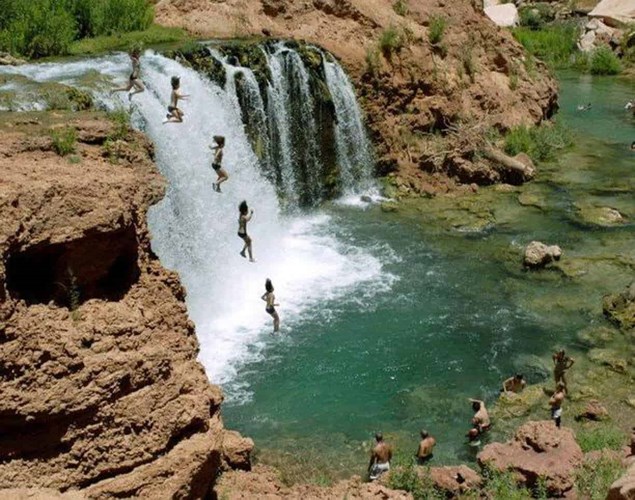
(480, 421)
(175, 115)
(584, 107)
(244, 217)
(426, 445)
(270, 299)
(514, 384)
(380, 457)
(633, 146)
(217, 163)
(135, 85)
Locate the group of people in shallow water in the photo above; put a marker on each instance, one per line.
(382, 451)
(245, 214)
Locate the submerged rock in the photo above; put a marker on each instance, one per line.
(599, 216)
(613, 359)
(538, 255)
(620, 308)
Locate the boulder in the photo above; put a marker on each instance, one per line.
(538, 450)
(505, 15)
(624, 487)
(593, 410)
(7, 59)
(447, 479)
(237, 450)
(615, 13)
(538, 255)
(586, 43)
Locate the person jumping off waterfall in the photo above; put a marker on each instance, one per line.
(270, 299)
(175, 115)
(244, 217)
(134, 81)
(217, 163)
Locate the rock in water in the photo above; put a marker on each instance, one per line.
(538, 255)
(538, 450)
(505, 15)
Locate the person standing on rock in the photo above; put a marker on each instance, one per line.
(426, 445)
(556, 403)
(380, 457)
(270, 299)
(134, 81)
(217, 163)
(175, 115)
(244, 217)
(562, 363)
(480, 421)
(514, 384)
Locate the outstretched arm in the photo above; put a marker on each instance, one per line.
(570, 363)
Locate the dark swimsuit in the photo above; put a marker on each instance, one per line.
(270, 310)
(242, 235)
(216, 167)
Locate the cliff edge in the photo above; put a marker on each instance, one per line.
(102, 392)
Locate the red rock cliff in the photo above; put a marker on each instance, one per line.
(101, 389)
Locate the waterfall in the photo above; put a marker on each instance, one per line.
(193, 229)
(353, 148)
(302, 118)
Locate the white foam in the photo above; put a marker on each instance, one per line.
(194, 229)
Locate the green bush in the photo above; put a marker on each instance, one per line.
(601, 438)
(555, 44)
(39, 28)
(540, 143)
(391, 40)
(535, 16)
(400, 7)
(63, 140)
(604, 62)
(373, 63)
(436, 29)
(405, 476)
(594, 478)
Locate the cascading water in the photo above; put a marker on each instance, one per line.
(302, 118)
(194, 229)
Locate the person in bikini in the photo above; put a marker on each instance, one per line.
(379, 458)
(134, 82)
(244, 217)
(175, 115)
(217, 163)
(270, 299)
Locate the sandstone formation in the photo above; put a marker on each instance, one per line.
(264, 483)
(615, 12)
(455, 480)
(538, 450)
(624, 487)
(429, 99)
(538, 255)
(102, 392)
(594, 410)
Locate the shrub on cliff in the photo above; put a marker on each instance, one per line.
(436, 29)
(554, 44)
(405, 476)
(600, 438)
(540, 143)
(63, 141)
(603, 61)
(391, 40)
(594, 477)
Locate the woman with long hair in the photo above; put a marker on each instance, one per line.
(244, 217)
(270, 299)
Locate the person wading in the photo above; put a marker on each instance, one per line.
(380, 457)
(426, 445)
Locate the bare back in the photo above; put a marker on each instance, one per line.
(382, 453)
(426, 446)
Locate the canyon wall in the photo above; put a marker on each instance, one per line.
(102, 393)
(432, 96)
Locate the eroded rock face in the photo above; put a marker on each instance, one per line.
(427, 101)
(101, 388)
(538, 450)
(624, 487)
(454, 480)
(538, 255)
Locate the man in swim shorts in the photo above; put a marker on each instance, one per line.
(556, 403)
(426, 445)
(379, 458)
